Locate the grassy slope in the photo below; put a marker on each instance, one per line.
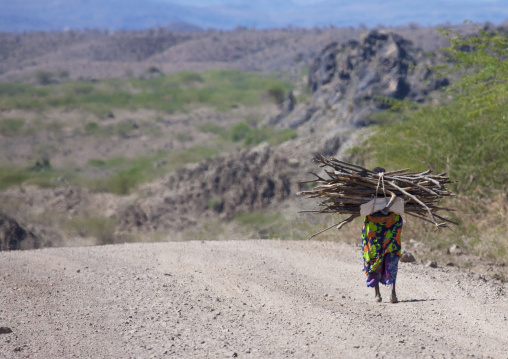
(220, 90)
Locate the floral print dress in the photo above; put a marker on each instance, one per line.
(381, 248)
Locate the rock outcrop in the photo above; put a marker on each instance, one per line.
(349, 80)
(220, 187)
(14, 236)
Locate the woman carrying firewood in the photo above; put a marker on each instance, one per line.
(379, 197)
(381, 240)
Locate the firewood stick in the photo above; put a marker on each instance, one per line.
(426, 220)
(324, 230)
(347, 220)
(418, 201)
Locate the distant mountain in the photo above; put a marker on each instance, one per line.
(182, 27)
(35, 15)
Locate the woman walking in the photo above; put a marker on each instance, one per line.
(381, 241)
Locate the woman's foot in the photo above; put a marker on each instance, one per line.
(378, 299)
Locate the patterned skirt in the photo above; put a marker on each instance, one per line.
(381, 248)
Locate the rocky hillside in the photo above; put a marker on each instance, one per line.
(350, 81)
(221, 187)
(98, 54)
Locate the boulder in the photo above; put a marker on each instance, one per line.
(431, 264)
(5, 330)
(455, 250)
(14, 236)
(407, 257)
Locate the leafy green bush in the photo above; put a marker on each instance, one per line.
(214, 203)
(277, 93)
(92, 127)
(44, 77)
(153, 70)
(240, 131)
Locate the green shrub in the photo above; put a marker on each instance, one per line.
(154, 70)
(92, 127)
(214, 203)
(41, 165)
(240, 131)
(277, 93)
(44, 77)
(123, 182)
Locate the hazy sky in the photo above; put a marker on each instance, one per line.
(370, 12)
(338, 2)
(30, 15)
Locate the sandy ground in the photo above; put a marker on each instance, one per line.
(245, 299)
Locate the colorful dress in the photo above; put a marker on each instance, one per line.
(381, 248)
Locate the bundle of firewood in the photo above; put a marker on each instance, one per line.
(348, 186)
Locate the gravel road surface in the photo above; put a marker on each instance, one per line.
(244, 299)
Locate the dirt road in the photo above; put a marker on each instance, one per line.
(245, 299)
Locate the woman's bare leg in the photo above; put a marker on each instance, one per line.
(377, 293)
(393, 298)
